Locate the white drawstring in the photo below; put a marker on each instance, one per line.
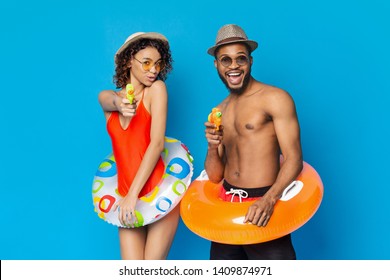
(241, 194)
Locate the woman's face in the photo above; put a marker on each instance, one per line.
(146, 65)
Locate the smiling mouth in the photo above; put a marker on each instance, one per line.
(234, 77)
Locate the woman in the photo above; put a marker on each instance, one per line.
(137, 132)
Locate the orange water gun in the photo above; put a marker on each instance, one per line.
(215, 117)
(130, 93)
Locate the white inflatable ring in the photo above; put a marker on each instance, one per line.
(157, 203)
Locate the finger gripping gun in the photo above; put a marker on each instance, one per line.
(215, 117)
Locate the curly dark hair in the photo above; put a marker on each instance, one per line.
(122, 73)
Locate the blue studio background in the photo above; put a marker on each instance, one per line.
(331, 56)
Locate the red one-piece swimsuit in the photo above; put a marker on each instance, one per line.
(129, 146)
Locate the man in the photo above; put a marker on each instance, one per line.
(259, 124)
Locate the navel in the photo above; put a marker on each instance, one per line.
(249, 126)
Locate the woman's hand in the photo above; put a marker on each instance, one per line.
(125, 107)
(126, 213)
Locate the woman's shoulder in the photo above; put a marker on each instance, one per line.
(156, 94)
(158, 85)
(158, 88)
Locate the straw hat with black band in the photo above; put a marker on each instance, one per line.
(229, 34)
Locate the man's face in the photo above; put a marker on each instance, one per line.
(234, 67)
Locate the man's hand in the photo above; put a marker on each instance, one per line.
(260, 212)
(213, 136)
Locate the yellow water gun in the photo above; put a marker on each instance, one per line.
(130, 93)
(215, 117)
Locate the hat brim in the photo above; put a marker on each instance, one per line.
(252, 45)
(148, 35)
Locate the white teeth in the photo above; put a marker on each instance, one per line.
(234, 74)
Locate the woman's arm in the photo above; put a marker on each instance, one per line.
(111, 101)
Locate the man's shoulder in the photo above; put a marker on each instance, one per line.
(273, 99)
(268, 88)
(274, 92)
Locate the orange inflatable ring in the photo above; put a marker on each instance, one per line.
(211, 218)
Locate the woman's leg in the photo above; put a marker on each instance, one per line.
(160, 235)
(132, 243)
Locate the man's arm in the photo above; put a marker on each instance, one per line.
(214, 163)
(283, 112)
(288, 134)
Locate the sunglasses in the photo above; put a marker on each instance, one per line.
(148, 64)
(241, 60)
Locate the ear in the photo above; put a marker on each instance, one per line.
(215, 63)
(251, 60)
